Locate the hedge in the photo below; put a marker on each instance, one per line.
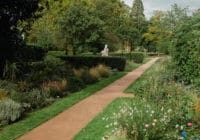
(137, 57)
(91, 61)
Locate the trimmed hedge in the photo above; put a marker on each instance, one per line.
(91, 61)
(137, 57)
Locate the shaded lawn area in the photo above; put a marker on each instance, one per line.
(36, 118)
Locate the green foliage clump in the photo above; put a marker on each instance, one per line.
(186, 51)
(162, 108)
(30, 100)
(138, 57)
(10, 111)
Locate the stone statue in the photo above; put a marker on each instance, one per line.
(105, 51)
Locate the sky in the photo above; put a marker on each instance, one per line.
(152, 5)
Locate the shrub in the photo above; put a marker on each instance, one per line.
(33, 99)
(10, 111)
(103, 70)
(186, 51)
(138, 57)
(75, 84)
(3, 94)
(79, 72)
(94, 73)
(23, 86)
(92, 61)
(55, 88)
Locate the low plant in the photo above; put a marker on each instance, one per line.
(3, 94)
(55, 88)
(10, 111)
(94, 73)
(31, 100)
(138, 57)
(104, 71)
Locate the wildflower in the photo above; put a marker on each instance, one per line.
(181, 127)
(146, 125)
(153, 124)
(177, 126)
(155, 120)
(189, 124)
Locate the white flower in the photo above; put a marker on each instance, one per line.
(146, 125)
(181, 127)
(155, 120)
(153, 124)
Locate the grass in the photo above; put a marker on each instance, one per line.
(141, 82)
(97, 129)
(36, 118)
(130, 65)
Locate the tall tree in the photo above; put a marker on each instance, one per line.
(138, 17)
(11, 11)
(81, 28)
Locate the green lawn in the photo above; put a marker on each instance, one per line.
(34, 119)
(97, 129)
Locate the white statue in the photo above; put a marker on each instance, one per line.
(105, 51)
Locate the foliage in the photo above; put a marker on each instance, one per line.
(81, 27)
(10, 71)
(91, 61)
(10, 111)
(186, 51)
(138, 57)
(161, 29)
(3, 94)
(33, 99)
(55, 88)
(138, 17)
(10, 36)
(158, 88)
(103, 70)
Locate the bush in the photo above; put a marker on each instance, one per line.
(34, 99)
(94, 74)
(55, 88)
(3, 94)
(138, 57)
(103, 70)
(186, 51)
(92, 61)
(10, 111)
(75, 84)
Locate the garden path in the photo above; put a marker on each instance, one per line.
(68, 123)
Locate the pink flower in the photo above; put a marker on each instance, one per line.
(189, 124)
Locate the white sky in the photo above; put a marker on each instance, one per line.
(152, 5)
